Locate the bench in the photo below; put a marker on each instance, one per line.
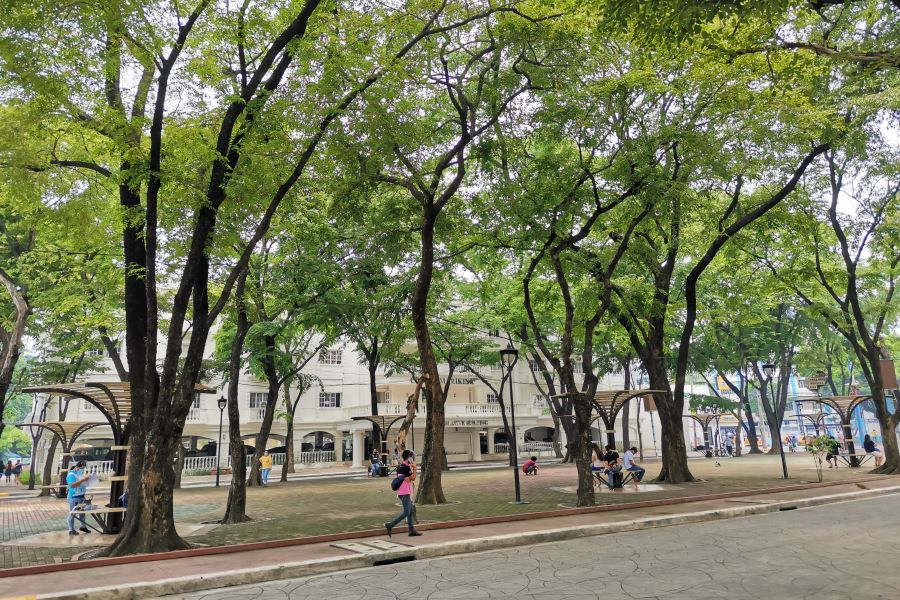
(602, 478)
(861, 458)
(100, 515)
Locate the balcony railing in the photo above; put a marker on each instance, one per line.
(193, 463)
(391, 409)
(195, 415)
(96, 467)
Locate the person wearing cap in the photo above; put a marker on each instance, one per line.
(407, 470)
(77, 480)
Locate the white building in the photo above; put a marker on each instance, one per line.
(325, 431)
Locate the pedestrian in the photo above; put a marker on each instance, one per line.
(530, 466)
(406, 470)
(613, 466)
(8, 470)
(793, 443)
(833, 450)
(872, 449)
(629, 465)
(729, 446)
(17, 470)
(76, 479)
(265, 467)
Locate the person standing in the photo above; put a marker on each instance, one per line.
(8, 470)
(265, 467)
(17, 470)
(629, 465)
(77, 480)
(407, 470)
(729, 446)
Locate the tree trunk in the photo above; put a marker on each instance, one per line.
(288, 466)
(626, 409)
(671, 424)
(262, 437)
(581, 448)
(12, 338)
(430, 490)
(179, 464)
(236, 507)
(752, 436)
(48, 467)
(152, 519)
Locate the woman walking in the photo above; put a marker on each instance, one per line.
(8, 471)
(406, 470)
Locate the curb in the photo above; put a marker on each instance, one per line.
(181, 585)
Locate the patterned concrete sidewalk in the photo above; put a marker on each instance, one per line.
(21, 518)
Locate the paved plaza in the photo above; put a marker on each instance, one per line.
(32, 530)
(846, 550)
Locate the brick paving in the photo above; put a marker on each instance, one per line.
(20, 518)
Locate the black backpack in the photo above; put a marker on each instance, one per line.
(397, 481)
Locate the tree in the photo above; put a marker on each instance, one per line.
(847, 274)
(152, 155)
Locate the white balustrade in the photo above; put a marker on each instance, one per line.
(319, 456)
(193, 463)
(391, 409)
(501, 448)
(491, 408)
(96, 467)
(195, 415)
(536, 447)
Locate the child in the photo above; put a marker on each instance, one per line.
(530, 466)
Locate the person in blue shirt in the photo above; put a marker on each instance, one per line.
(77, 480)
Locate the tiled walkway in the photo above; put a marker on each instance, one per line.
(20, 518)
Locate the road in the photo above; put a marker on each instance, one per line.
(847, 551)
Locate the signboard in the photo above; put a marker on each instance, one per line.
(816, 380)
(467, 423)
(650, 403)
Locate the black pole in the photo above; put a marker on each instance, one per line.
(514, 441)
(219, 446)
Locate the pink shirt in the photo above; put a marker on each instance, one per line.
(405, 488)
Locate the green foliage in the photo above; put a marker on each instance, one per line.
(16, 441)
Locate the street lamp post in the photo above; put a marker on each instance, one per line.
(769, 370)
(221, 402)
(509, 356)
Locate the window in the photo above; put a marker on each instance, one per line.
(95, 352)
(535, 365)
(383, 397)
(329, 357)
(492, 397)
(329, 399)
(259, 399)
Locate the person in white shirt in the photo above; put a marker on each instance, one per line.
(628, 463)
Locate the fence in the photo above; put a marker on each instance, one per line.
(199, 462)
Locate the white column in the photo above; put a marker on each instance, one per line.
(338, 445)
(359, 444)
(490, 439)
(475, 441)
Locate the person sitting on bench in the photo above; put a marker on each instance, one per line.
(628, 464)
(613, 466)
(597, 464)
(530, 466)
(872, 449)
